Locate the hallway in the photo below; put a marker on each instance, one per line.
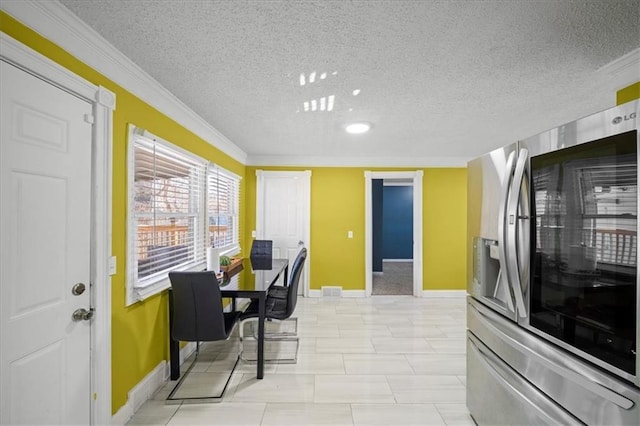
(396, 279)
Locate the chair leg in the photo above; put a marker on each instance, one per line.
(241, 336)
(295, 327)
(293, 359)
(173, 399)
(270, 337)
(284, 333)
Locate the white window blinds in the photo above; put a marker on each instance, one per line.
(223, 197)
(179, 204)
(167, 210)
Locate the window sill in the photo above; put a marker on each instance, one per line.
(140, 293)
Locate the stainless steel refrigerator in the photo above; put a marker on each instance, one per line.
(553, 303)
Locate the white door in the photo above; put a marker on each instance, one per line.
(45, 236)
(283, 215)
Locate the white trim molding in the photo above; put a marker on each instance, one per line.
(55, 22)
(141, 393)
(416, 179)
(146, 388)
(344, 294)
(623, 70)
(103, 102)
(319, 161)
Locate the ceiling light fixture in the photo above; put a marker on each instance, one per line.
(357, 128)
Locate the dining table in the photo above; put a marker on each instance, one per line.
(259, 275)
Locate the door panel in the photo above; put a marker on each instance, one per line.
(45, 229)
(282, 210)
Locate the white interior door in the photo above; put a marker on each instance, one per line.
(283, 215)
(45, 249)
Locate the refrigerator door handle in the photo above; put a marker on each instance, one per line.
(502, 234)
(512, 233)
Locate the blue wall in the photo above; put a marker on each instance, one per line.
(397, 222)
(376, 199)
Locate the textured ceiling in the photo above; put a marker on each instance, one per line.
(437, 79)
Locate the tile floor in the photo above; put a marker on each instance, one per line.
(383, 360)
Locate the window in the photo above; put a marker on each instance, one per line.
(178, 205)
(223, 197)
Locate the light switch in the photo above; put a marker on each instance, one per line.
(253, 233)
(350, 234)
(112, 265)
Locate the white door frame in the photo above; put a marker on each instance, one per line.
(417, 226)
(103, 102)
(306, 214)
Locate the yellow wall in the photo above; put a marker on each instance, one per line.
(337, 206)
(139, 332)
(445, 229)
(628, 94)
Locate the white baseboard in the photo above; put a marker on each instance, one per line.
(140, 393)
(147, 387)
(345, 293)
(397, 260)
(353, 293)
(438, 294)
(433, 294)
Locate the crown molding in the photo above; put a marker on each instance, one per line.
(319, 161)
(625, 70)
(56, 23)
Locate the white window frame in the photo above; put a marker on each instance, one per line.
(139, 291)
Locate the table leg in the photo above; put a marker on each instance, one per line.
(261, 318)
(174, 346)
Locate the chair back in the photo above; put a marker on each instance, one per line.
(296, 273)
(198, 313)
(262, 248)
(297, 260)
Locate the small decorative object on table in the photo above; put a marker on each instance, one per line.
(228, 264)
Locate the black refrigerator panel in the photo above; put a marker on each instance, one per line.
(583, 285)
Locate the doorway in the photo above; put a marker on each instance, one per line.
(415, 178)
(392, 237)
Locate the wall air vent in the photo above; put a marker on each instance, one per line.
(331, 291)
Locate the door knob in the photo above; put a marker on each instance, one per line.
(78, 289)
(300, 243)
(82, 314)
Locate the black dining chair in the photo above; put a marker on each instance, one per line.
(277, 309)
(261, 248)
(198, 315)
(261, 254)
(281, 291)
